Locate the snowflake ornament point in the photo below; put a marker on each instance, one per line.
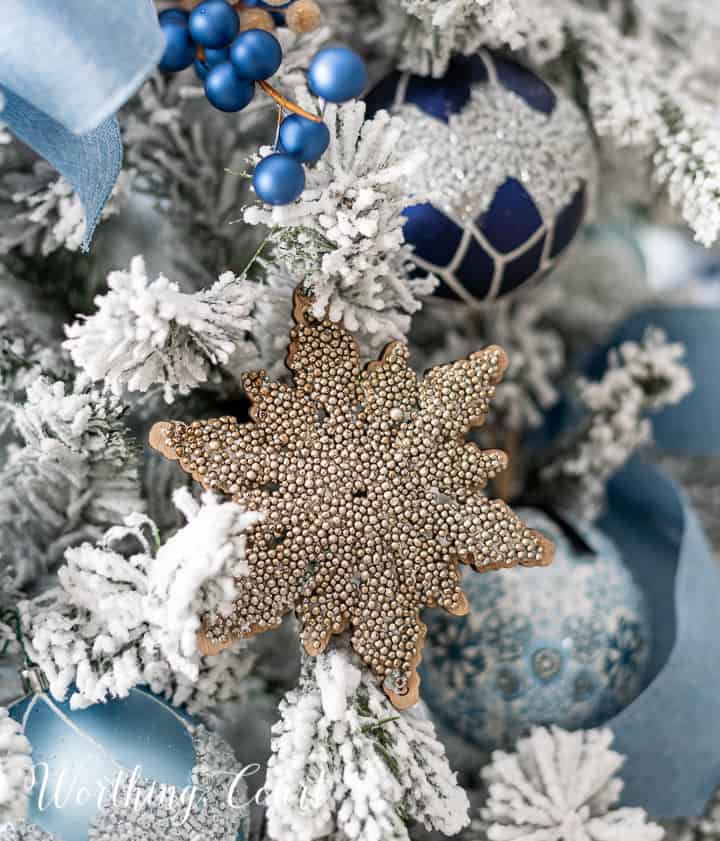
(371, 496)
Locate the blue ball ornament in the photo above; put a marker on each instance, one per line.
(303, 139)
(510, 166)
(567, 644)
(213, 24)
(337, 74)
(256, 54)
(179, 50)
(279, 179)
(226, 90)
(95, 769)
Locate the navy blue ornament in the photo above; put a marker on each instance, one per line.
(509, 169)
(279, 179)
(303, 139)
(226, 90)
(179, 47)
(337, 74)
(213, 24)
(568, 644)
(256, 54)
(95, 769)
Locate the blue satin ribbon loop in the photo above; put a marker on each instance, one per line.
(66, 67)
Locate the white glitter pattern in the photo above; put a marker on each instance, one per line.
(498, 136)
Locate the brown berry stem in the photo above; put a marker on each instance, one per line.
(286, 103)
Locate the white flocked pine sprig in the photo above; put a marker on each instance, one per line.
(119, 619)
(72, 473)
(148, 332)
(642, 377)
(561, 786)
(347, 765)
(343, 238)
(15, 770)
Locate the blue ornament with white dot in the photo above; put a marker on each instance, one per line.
(567, 644)
(213, 24)
(509, 171)
(113, 770)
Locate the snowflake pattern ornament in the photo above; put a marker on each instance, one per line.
(370, 492)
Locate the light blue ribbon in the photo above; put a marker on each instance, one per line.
(671, 732)
(66, 67)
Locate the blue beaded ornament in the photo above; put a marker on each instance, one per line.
(116, 768)
(337, 74)
(303, 139)
(213, 24)
(278, 179)
(226, 90)
(256, 54)
(568, 644)
(509, 169)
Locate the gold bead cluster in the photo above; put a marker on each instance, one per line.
(371, 496)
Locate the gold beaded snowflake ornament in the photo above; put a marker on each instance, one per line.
(371, 497)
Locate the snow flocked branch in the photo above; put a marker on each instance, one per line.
(75, 474)
(641, 377)
(561, 786)
(118, 620)
(343, 238)
(148, 332)
(348, 765)
(15, 770)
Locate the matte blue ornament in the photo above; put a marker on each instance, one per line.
(256, 54)
(568, 644)
(212, 59)
(509, 168)
(95, 767)
(337, 74)
(213, 24)
(303, 139)
(179, 50)
(226, 90)
(279, 179)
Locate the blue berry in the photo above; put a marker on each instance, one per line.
(279, 179)
(176, 15)
(212, 58)
(225, 90)
(179, 49)
(337, 74)
(213, 24)
(256, 54)
(303, 139)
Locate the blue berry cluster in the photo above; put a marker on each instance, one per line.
(231, 63)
